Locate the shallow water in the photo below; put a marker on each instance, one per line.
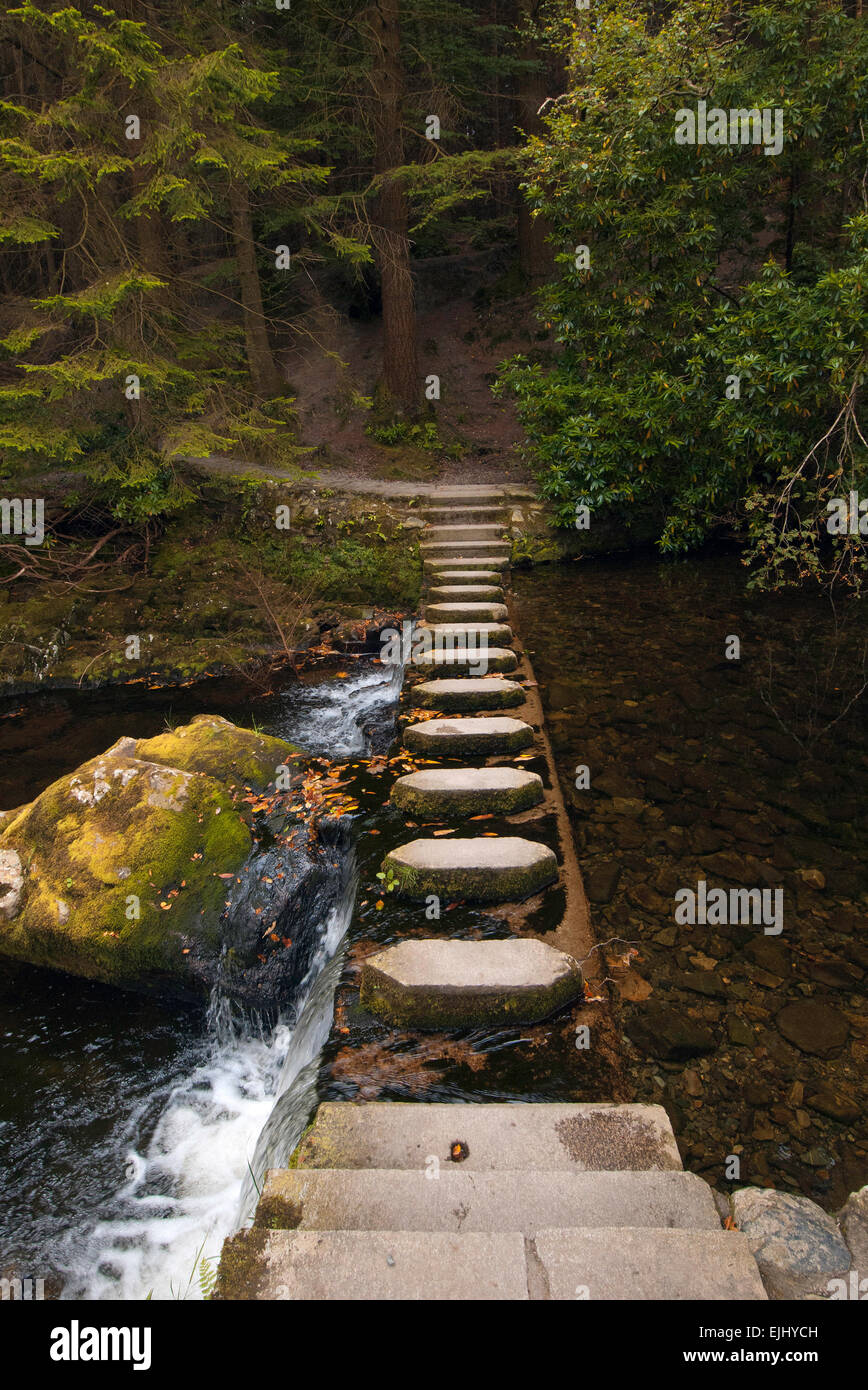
(707, 767)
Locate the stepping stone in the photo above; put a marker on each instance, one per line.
(465, 612)
(401, 1199)
(466, 493)
(317, 1266)
(444, 550)
(453, 636)
(434, 983)
(631, 1263)
(485, 534)
(477, 663)
(457, 593)
(449, 564)
(464, 791)
(467, 694)
(461, 738)
(482, 869)
(528, 1137)
(467, 577)
(469, 515)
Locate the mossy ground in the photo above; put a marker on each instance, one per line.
(223, 587)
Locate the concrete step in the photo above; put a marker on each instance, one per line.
(467, 791)
(472, 576)
(308, 1266)
(646, 1263)
(448, 1197)
(438, 567)
(449, 550)
(465, 612)
(488, 494)
(462, 738)
(434, 983)
(485, 534)
(569, 1264)
(469, 515)
(497, 1137)
(479, 634)
(486, 692)
(461, 593)
(474, 663)
(501, 869)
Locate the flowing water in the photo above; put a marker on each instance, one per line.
(130, 1130)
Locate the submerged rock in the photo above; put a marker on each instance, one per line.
(161, 865)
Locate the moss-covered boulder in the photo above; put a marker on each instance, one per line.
(211, 745)
(168, 878)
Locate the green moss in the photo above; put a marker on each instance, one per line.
(210, 744)
(118, 831)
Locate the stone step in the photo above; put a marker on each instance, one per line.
(560, 1264)
(486, 692)
(466, 791)
(465, 515)
(527, 1137)
(487, 493)
(448, 1197)
(645, 1263)
(439, 566)
(484, 534)
(485, 870)
(462, 738)
(465, 612)
(475, 662)
(434, 983)
(481, 634)
(479, 576)
(307, 1266)
(461, 593)
(447, 550)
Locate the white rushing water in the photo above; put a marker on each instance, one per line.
(186, 1191)
(194, 1179)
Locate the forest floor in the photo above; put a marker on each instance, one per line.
(333, 368)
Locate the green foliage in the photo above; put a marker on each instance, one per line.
(124, 357)
(707, 263)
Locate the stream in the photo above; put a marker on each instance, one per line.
(134, 1133)
(130, 1129)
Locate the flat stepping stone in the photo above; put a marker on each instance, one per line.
(487, 532)
(483, 869)
(461, 593)
(467, 493)
(468, 577)
(455, 635)
(465, 612)
(400, 1199)
(477, 662)
(464, 791)
(449, 564)
(380, 1266)
(435, 983)
(528, 1137)
(461, 738)
(468, 694)
(447, 549)
(469, 515)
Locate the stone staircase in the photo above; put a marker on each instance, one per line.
(490, 1201)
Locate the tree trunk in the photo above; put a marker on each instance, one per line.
(263, 369)
(535, 254)
(391, 242)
